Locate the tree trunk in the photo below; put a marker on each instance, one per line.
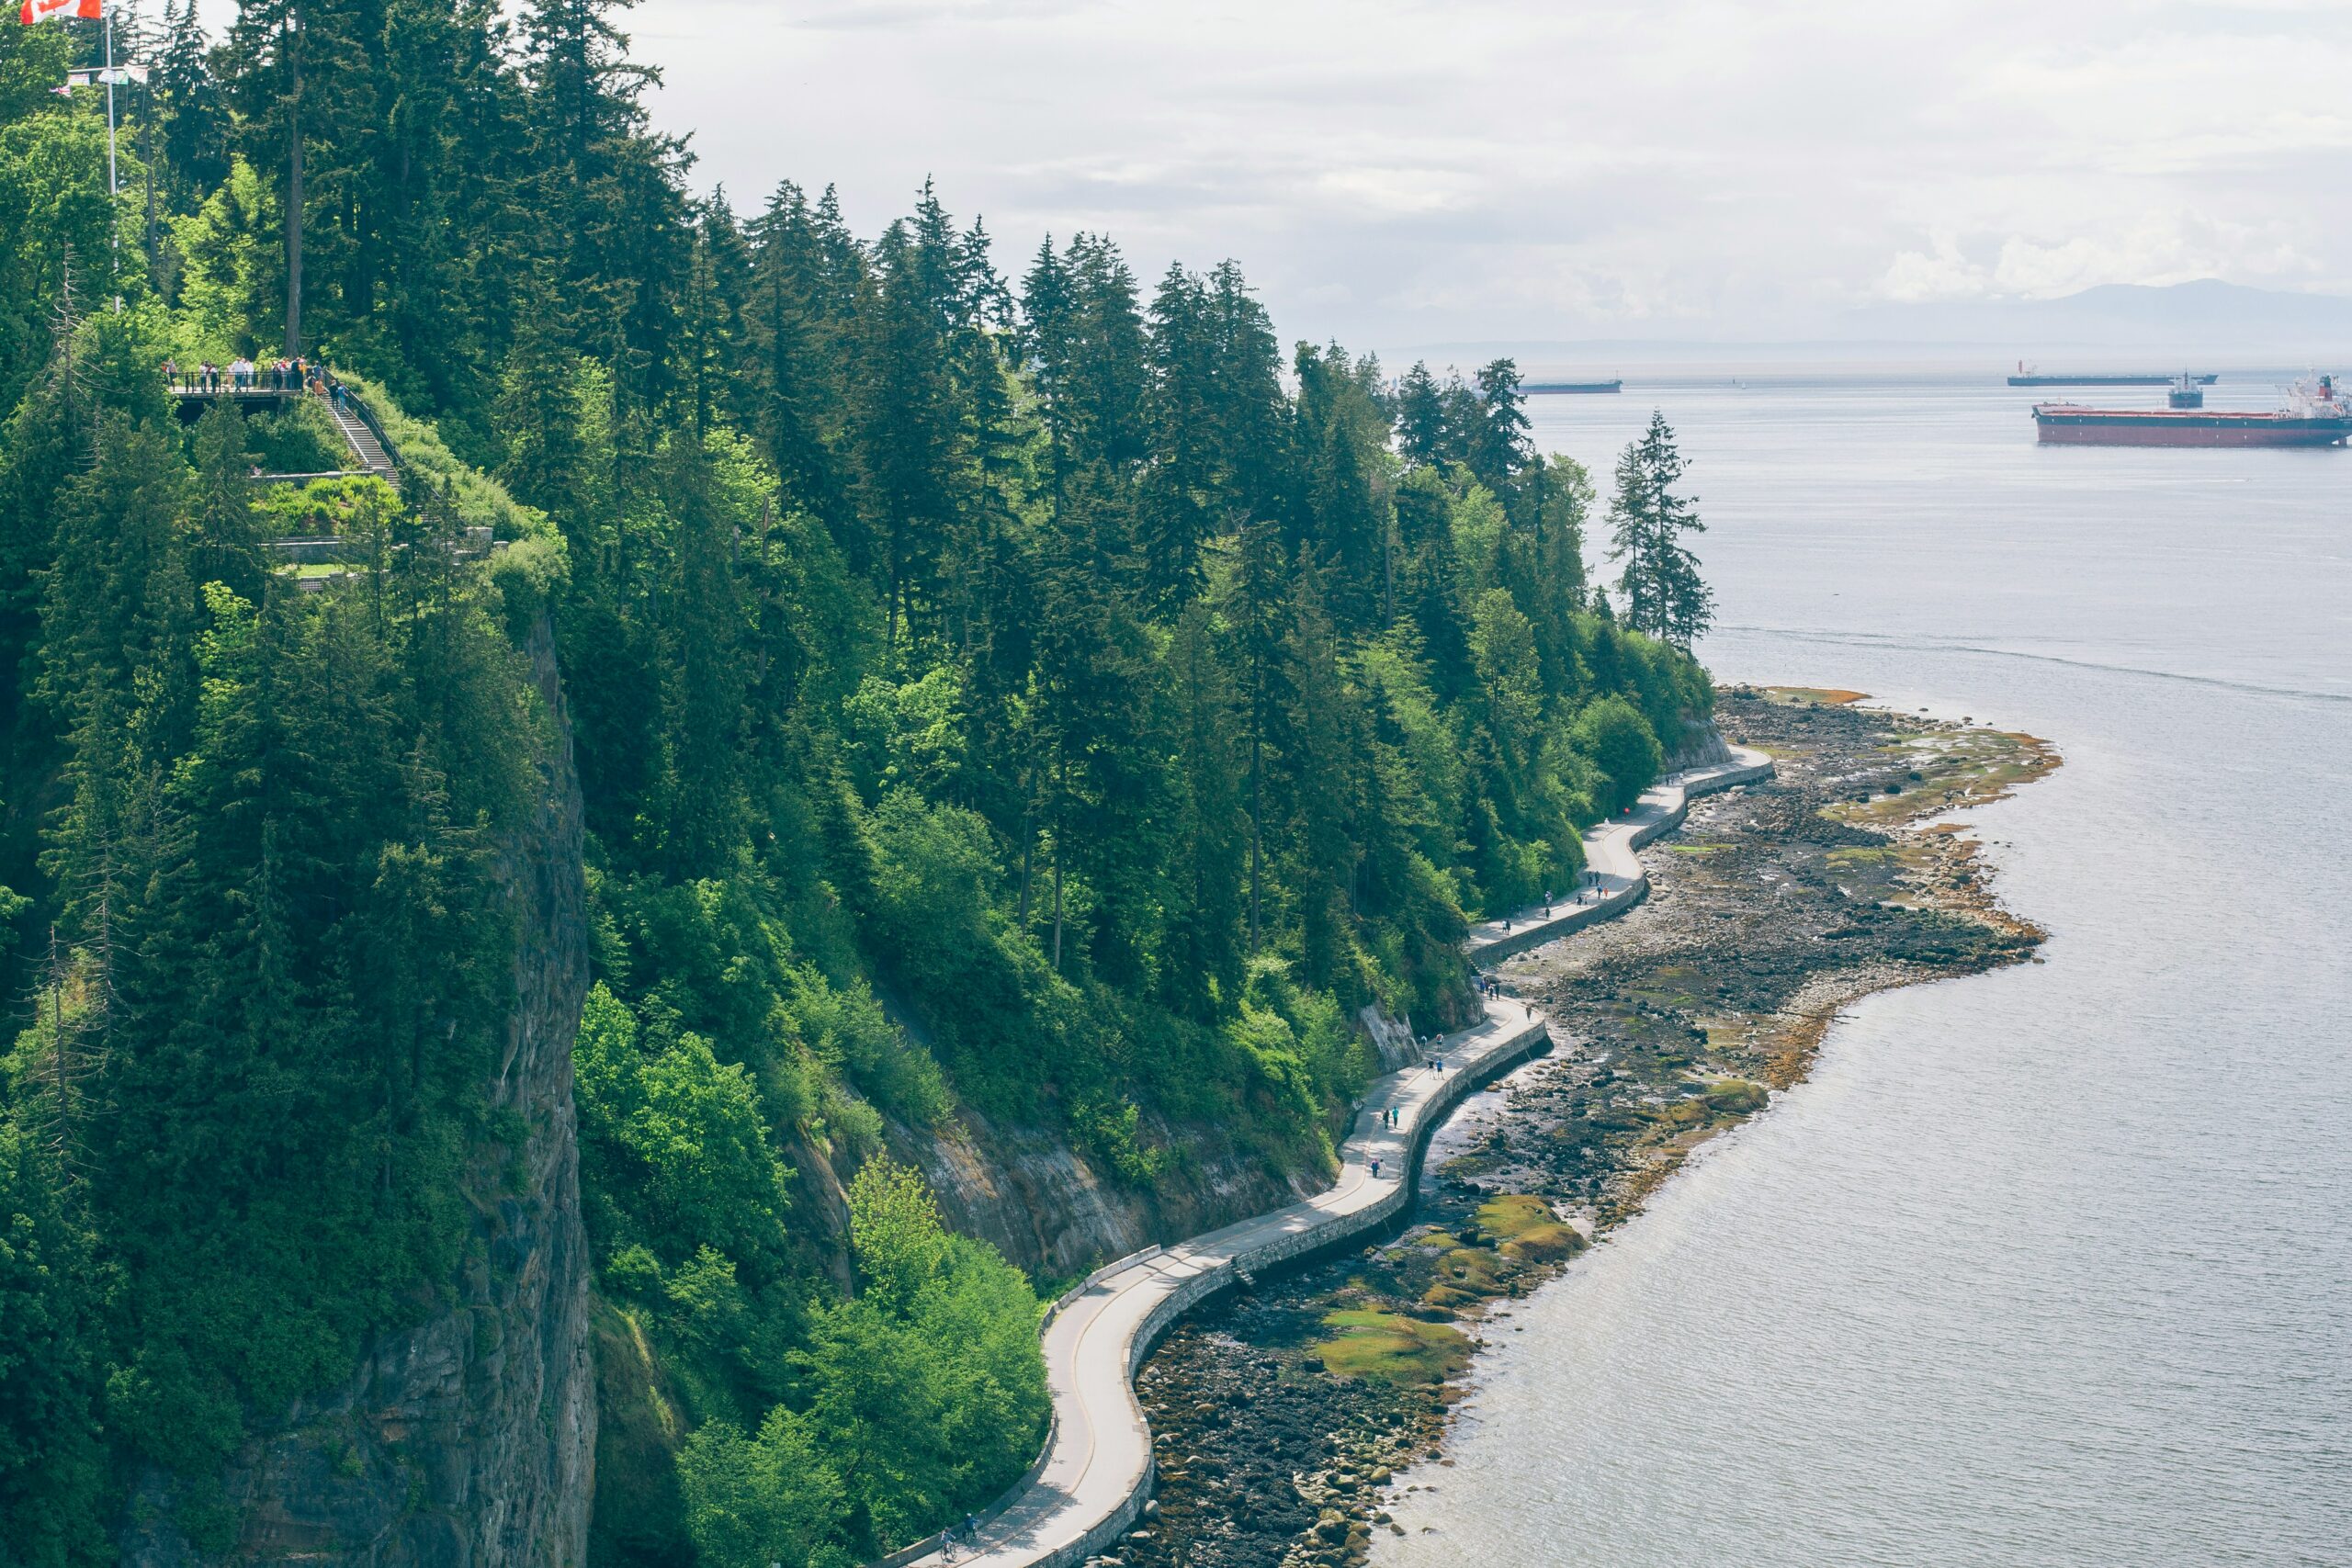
(1256, 805)
(1028, 839)
(294, 202)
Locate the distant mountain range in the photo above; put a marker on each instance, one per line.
(2207, 315)
(2114, 326)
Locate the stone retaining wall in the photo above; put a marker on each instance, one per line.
(1336, 1230)
(1577, 916)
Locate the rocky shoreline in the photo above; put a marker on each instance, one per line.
(1281, 1417)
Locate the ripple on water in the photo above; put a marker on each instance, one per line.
(2048, 1264)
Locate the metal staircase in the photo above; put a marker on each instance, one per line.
(362, 440)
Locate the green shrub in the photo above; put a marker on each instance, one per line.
(925, 1395)
(301, 440)
(1619, 741)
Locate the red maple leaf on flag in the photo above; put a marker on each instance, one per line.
(41, 10)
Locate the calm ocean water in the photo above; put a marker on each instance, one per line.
(2048, 1266)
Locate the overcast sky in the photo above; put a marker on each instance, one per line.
(1398, 173)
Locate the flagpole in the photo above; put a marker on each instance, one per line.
(114, 186)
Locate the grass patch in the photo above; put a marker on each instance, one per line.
(1529, 1229)
(1384, 1347)
(1953, 769)
(1735, 1097)
(1812, 697)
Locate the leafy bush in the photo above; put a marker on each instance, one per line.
(301, 440)
(925, 1396)
(682, 1133)
(1613, 733)
(359, 509)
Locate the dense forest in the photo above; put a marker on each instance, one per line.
(1025, 695)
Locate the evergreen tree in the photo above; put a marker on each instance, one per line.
(297, 73)
(1665, 596)
(1204, 968)
(1318, 747)
(192, 121)
(1420, 417)
(537, 416)
(1109, 375)
(804, 274)
(1185, 502)
(1343, 436)
(1498, 447)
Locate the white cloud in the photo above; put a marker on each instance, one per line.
(1391, 171)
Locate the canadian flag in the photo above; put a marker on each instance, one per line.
(43, 10)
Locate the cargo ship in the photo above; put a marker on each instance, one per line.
(2028, 377)
(1535, 388)
(2315, 415)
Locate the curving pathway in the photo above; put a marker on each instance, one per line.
(1089, 1483)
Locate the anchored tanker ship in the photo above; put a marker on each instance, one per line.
(2024, 378)
(2314, 416)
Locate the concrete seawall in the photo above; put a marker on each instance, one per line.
(1090, 1485)
(1618, 880)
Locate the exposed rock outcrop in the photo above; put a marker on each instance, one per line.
(1700, 745)
(1047, 1207)
(468, 1441)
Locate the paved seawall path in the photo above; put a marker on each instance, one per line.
(1091, 1483)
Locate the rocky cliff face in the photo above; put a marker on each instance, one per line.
(1045, 1205)
(468, 1441)
(1699, 745)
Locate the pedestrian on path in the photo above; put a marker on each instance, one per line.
(1375, 1167)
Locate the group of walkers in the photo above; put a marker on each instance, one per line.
(242, 374)
(1547, 909)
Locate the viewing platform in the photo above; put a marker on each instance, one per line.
(349, 413)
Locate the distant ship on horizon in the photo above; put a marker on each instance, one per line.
(2028, 376)
(1539, 388)
(2315, 415)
